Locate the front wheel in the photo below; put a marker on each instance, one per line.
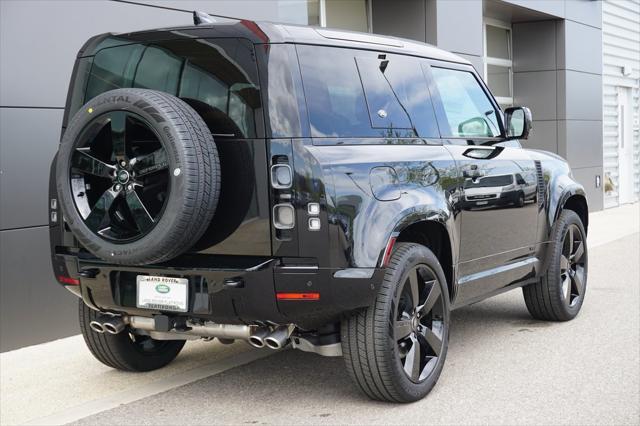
(559, 294)
(126, 351)
(395, 349)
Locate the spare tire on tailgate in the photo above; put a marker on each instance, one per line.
(138, 176)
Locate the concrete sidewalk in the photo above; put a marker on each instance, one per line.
(610, 225)
(592, 360)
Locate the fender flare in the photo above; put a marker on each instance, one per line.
(420, 214)
(556, 206)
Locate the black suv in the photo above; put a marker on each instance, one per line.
(337, 192)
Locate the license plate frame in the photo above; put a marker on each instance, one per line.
(162, 293)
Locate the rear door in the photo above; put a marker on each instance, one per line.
(497, 216)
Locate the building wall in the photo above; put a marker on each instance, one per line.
(621, 52)
(557, 65)
(35, 67)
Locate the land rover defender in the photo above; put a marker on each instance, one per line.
(305, 187)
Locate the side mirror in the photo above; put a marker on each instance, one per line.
(518, 122)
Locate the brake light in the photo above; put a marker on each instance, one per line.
(298, 296)
(68, 280)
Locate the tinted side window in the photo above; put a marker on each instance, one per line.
(113, 68)
(468, 110)
(385, 110)
(332, 87)
(410, 86)
(159, 69)
(221, 74)
(353, 93)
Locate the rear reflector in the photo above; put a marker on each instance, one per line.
(387, 251)
(68, 280)
(298, 296)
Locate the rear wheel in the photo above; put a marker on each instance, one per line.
(559, 294)
(126, 351)
(395, 349)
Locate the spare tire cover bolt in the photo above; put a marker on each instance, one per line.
(123, 163)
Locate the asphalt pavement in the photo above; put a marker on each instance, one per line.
(503, 367)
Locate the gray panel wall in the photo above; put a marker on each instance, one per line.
(35, 67)
(558, 73)
(404, 18)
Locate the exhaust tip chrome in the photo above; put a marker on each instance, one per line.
(256, 341)
(96, 326)
(110, 328)
(272, 343)
(279, 338)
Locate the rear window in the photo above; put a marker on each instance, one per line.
(353, 93)
(220, 73)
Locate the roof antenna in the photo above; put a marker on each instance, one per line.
(200, 18)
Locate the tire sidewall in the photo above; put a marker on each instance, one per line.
(119, 351)
(416, 255)
(566, 219)
(134, 101)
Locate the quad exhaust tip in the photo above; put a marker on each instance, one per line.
(96, 326)
(113, 325)
(107, 324)
(261, 337)
(278, 339)
(257, 339)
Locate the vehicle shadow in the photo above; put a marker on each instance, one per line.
(292, 375)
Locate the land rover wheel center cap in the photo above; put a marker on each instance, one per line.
(122, 177)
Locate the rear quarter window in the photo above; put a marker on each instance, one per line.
(355, 94)
(221, 73)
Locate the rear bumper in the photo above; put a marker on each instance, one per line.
(237, 290)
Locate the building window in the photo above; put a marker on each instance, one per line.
(498, 60)
(351, 15)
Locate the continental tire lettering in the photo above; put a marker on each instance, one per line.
(171, 139)
(113, 100)
(142, 104)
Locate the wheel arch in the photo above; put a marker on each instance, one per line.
(577, 202)
(435, 236)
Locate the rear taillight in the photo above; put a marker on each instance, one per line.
(284, 216)
(281, 176)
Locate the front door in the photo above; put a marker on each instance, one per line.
(497, 198)
(626, 190)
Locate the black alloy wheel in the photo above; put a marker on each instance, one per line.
(559, 293)
(572, 265)
(395, 349)
(137, 176)
(120, 176)
(418, 323)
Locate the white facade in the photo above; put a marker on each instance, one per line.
(621, 93)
